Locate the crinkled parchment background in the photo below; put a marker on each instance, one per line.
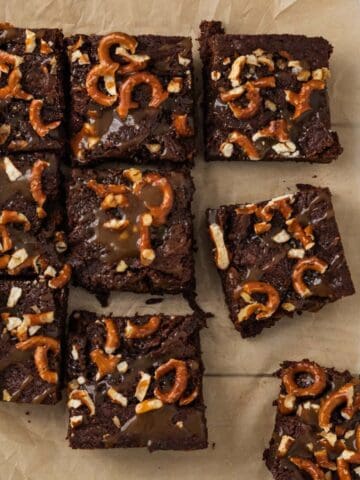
(238, 388)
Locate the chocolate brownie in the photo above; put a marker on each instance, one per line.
(135, 382)
(30, 215)
(131, 98)
(32, 319)
(279, 257)
(266, 97)
(131, 230)
(31, 89)
(317, 426)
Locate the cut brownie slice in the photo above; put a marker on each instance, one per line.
(32, 319)
(31, 89)
(135, 382)
(131, 98)
(279, 257)
(266, 97)
(131, 230)
(30, 215)
(317, 427)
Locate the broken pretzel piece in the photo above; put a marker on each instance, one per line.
(42, 346)
(179, 383)
(36, 186)
(158, 94)
(309, 263)
(41, 128)
(262, 311)
(301, 100)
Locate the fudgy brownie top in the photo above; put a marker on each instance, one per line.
(131, 230)
(279, 257)
(30, 216)
(31, 89)
(135, 382)
(131, 97)
(266, 96)
(32, 320)
(317, 429)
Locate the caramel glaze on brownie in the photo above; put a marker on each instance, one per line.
(135, 382)
(266, 97)
(131, 230)
(131, 98)
(279, 257)
(317, 426)
(32, 317)
(30, 215)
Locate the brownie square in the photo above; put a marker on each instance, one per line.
(131, 230)
(279, 257)
(30, 215)
(317, 424)
(32, 319)
(266, 97)
(31, 89)
(135, 382)
(131, 98)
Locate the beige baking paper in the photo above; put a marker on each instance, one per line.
(238, 390)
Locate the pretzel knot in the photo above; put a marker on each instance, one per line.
(100, 71)
(42, 345)
(107, 66)
(13, 87)
(310, 263)
(309, 467)
(158, 94)
(262, 310)
(116, 38)
(245, 144)
(179, 383)
(316, 372)
(345, 394)
(159, 212)
(301, 100)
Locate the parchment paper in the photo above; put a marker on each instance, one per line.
(238, 390)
